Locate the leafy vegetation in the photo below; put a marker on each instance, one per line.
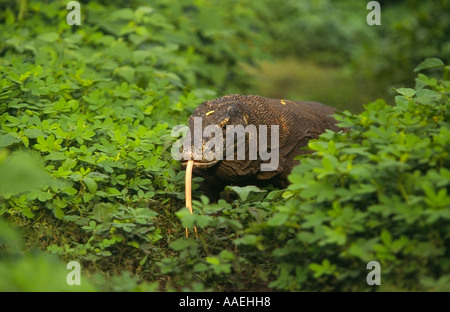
(86, 172)
(378, 191)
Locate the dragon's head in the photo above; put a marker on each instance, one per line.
(208, 127)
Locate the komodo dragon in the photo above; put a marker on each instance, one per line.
(298, 123)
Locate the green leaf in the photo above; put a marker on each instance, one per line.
(335, 235)
(213, 260)
(44, 196)
(330, 163)
(25, 141)
(244, 191)
(235, 225)
(386, 237)
(422, 81)
(183, 243)
(426, 96)
(133, 244)
(33, 133)
(49, 37)
(407, 92)
(27, 212)
(112, 191)
(326, 268)
(91, 184)
(249, 239)
(226, 255)
(56, 156)
(307, 237)
(429, 63)
(278, 219)
(126, 72)
(87, 197)
(125, 14)
(58, 212)
(9, 139)
(275, 194)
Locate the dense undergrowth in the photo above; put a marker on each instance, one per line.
(86, 172)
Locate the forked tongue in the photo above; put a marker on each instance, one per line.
(188, 192)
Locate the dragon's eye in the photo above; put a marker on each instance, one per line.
(233, 110)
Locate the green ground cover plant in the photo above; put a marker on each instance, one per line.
(377, 192)
(89, 112)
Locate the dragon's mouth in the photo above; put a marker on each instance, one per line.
(201, 163)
